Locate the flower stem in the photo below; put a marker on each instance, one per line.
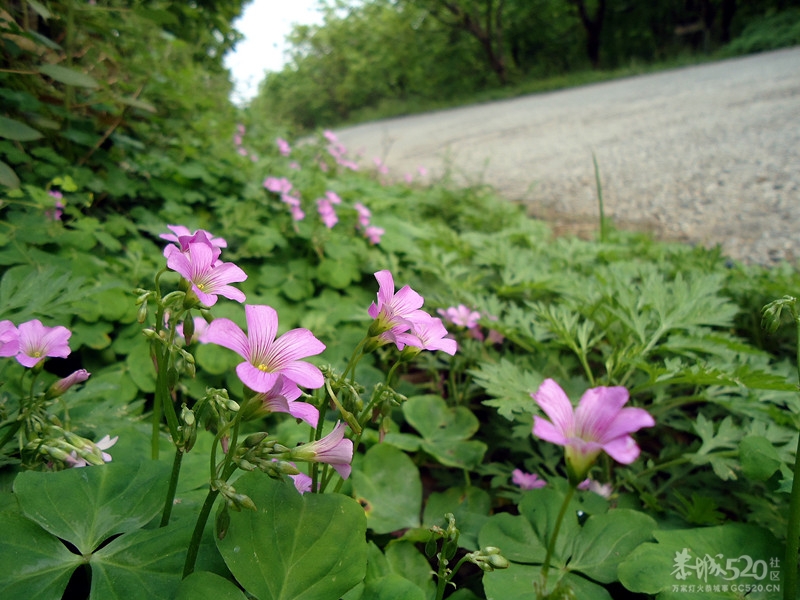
(197, 534)
(793, 533)
(173, 485)
(551, 545)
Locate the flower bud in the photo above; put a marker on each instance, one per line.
(62, 385)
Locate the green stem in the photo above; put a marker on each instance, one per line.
(599, 199)
(793, 533)
(551, 545)
(442, 578)
(197, 534)
(173, 486)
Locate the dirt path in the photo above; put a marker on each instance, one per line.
(707, 154)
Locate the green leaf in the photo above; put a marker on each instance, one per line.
(8, 177)
(202, 585)
(69, 76)
(141, 565)
(445, 431)
(654, 568)
(510, 385)
(406, 560)
(606, 540)
(12, 129)
(87, 506)
(392, 587)
(40, 9)
(516, 583)
(759, 457)
(34, 563)
(310, 547)
(388, 486)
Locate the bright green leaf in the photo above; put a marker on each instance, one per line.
(141, 565)
(102, 500)
(654, 568)
(202, 585)
(759, 457)
(309, 547)
(388, 486)
(34, 564)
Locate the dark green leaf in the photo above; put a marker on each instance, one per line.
(12, 129)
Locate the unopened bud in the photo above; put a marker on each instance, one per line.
(254, 439)
(141, 314)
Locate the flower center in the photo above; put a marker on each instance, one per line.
(263, 367)
(37, 354)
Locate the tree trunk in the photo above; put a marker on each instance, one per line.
(593, 25)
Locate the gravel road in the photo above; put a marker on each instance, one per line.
(708, 154)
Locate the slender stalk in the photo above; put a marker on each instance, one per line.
(793, 533)
(551, 545)
(599, 199)
(173, 486)
(197, 534)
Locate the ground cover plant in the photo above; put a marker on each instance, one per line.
(333, 387)
(239, 366)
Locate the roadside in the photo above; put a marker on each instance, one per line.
(709, 154)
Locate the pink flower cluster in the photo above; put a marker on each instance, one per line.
(325, 208)
(196, 259)
(371, 232)
(283, 147)
(283, 187)
(238, 138)
(532, 481)
(274, 369)
(398, 319)
(58, 206)
(463, 316)
(338, 151)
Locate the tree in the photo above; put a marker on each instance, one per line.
(593, 25)
(482, 19)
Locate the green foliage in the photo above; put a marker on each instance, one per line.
(270, 552)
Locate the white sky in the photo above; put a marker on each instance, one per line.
(265, 25)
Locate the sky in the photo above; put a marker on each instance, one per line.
(265, 25)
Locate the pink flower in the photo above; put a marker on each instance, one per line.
(461, 315)
(330, 136)
(379, 164)
(267, 358)
(9, 339)
(61, 386)
(302, 482)
(427, 333)
(333, 197)
(58, 206)
(364, 214)
(294, 165)
(282, 398)
(422, 171)
(279, 186)
(183, 236)
(327, 213)
(408, 177)
(601, 489)
(209, 277)
(374, 234)
(598, 424)
(334, 449)
(37, 341)
(527, 481)
(283, 147)
(394, 312)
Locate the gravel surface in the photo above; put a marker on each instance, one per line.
(707, 154)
